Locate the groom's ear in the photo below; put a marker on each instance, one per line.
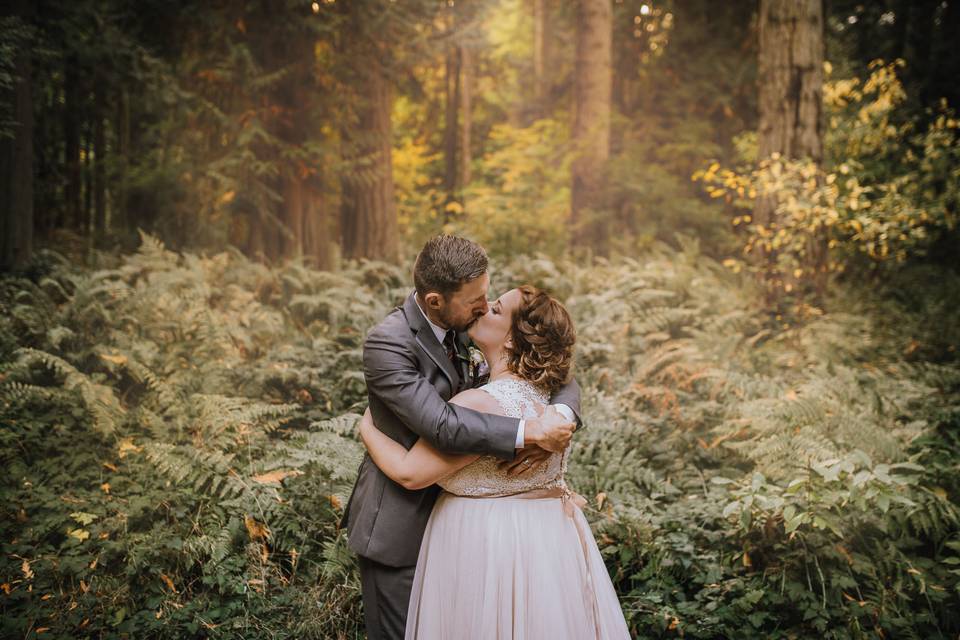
(433, 301)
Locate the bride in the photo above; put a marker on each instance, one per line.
(505, 555)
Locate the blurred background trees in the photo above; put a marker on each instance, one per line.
(328, 130)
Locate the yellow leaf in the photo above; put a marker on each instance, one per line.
(335, 502)
(105, 487)
(454, 207)
(126, 447)
(79, 534)
(255, 530)
(27, 571)
(167, 581)
(114, 359)
(276, 476)
(227, 197)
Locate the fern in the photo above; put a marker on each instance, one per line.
(99, 399)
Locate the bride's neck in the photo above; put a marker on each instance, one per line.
(498, 365)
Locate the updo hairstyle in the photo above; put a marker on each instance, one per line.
(542, 334)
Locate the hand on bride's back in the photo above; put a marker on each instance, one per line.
(550, 431)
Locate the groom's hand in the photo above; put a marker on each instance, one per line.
(550, 431)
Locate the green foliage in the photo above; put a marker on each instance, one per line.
(183, 445)
(887, 193)
(521, 197)
(179, 435)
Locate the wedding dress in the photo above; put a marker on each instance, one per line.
(511, 557)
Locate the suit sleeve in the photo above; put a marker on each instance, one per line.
(391, 373)
(569, 394)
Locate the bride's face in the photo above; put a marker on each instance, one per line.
(492, 330)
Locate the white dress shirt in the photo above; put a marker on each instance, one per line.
(441, 333)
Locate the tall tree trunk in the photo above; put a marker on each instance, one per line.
(121, 151)
(591, 125)
(318, 245)
(450, 127)
(71, 133)
(368, 211)
(292, 128)
(539, 51)
(100, 161)
(87, 179)
(292, 214)
(466, 114)
(791, 84)
(790, 103)
(16, 164)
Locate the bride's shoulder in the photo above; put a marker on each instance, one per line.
(479, 400)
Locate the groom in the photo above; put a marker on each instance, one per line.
(414, 362)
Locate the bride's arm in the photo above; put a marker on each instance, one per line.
(422, 465)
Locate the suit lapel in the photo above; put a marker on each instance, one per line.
(428, 341)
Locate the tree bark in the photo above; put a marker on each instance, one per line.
(100, 161)
(121, 151)
(791, 85)
(450, 125)
(85, 221)
(318, 241)
(292, 214)
(466, 115)
(368, 211)
(16, 167)
(71, 133)
(790, 104)
(539, 52)
(591, 126)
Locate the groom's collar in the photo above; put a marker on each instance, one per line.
(417, 319)
(438, 331)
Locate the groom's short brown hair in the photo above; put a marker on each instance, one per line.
(447, 262)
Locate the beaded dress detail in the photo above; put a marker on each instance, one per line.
(484, 477)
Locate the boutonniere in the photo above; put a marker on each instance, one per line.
(478, 364)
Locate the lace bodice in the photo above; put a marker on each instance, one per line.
(483, 477)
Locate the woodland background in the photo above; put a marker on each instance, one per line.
(750, 209)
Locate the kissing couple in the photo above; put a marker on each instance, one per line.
(460, 516)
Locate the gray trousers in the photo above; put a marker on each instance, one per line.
(386, 594)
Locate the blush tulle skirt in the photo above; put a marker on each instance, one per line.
(512, 568)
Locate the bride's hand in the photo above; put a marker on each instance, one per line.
(526, 460)
(365, 425)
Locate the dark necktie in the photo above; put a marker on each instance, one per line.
(449, 341)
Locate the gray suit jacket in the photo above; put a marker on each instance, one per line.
(409, 381)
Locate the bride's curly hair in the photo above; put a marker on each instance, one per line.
(542, 337)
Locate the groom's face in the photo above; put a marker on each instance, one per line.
(466, 305)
